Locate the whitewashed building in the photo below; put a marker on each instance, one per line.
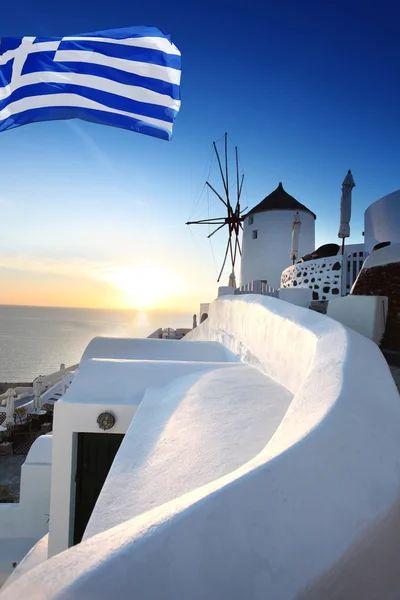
(219, 466)
(382, 221)
(256, 457)
(267, 235)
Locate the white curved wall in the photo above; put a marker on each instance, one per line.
(382, 221)
(197, 428)
(101, 384)
(36, 555)
(316, 494)
(268, 255)
(257, 328)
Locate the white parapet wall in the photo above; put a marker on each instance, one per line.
(294, 295)
(151, 349)
(34, 557)
(225, 290)
(364, 314)
(22, 524)
(204, 308)
(311, 514)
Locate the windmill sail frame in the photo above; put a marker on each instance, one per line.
(234, 217)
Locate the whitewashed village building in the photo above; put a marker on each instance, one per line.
(382, 221)
(267, 235)
(257, 457)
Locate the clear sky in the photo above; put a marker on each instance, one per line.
(94, 216)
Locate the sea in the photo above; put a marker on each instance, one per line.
(36, 340)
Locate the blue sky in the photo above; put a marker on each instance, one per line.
(306, 90)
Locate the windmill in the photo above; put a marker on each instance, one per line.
(234, 217)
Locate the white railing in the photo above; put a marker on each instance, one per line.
(257, 287)
(352, 265)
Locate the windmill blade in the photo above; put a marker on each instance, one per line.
(238, 244)
(225, 257)
(216, 193)
(220, 167)
(231, 249)
(237, 247)
(226, 169)
(243, 210)
(215, 221)
(237, 182)
(215, 231)
(241, 185)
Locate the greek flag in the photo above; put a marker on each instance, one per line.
(127, 78)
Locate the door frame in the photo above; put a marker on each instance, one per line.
(75, 475)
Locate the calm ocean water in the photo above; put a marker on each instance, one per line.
(36, 340)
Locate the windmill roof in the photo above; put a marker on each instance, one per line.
(279, 199)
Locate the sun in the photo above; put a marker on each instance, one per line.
(146, 286)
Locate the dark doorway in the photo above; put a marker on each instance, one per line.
(95, 455)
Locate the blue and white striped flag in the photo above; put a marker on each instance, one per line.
(127, 78)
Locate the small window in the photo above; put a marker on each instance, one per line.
(255, 234)
(251, 220)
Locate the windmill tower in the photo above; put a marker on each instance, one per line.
(233, 218)
(267, 237)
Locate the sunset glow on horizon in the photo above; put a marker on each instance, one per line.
(144, 287)
(94, 216)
